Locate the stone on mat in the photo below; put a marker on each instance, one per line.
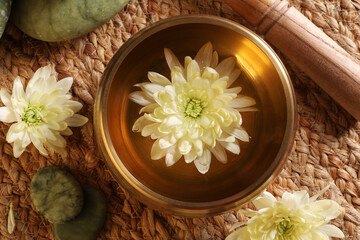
(5, 8)
(54, 20)
(56, 194)
(87, 225)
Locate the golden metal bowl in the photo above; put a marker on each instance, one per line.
(180, 189)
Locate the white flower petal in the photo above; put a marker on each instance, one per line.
(66, 132)
(225, 137)
(210, 74)
(37, 87)
(200, 83)
(331, 231)
(49, 85)
(233, 76)
(160, 113)
(75, 106)
(60, 150)
(49, 99)
(172, 60)
(207, 121)
(231, 146)
(18, 149)
(225, 99)
(156, 151)
(177, 76)
(140, 123)
(219, 84)
(265, 201)
(59, 141)
(11, 220)
(76, 120)
(5, 98)
(54, 125)
(209, 137)
(219, 153)
(184, 147)
(63, 125)
(326, 208)
(18, 93)
(214, 60)
(166, 142)
(172, 157)
(15, 132)
(64, 84)
(148, 108)
(178, 133)
(316, 235)
(242, 101)
(169, 123)
(165, 99)
(40, 74)
(151, 117)
(192, 71)
(202, 163)
(198, 147)
(158, 78)
(140, 98)
(50, 135)
(237, 225)
(204, 55)
(240, 234)
(296, 199)
(37, 143)
(187, 60)
(149, 129)
(226, 66)
(235, 90)
(191, 156)
(7, 115)
(150, 88)
(247, 109)
(195, 133)
(25, 140)
(249, 213)
(239, 133)
(321, 192)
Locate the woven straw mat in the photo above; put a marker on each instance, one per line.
(326, 148)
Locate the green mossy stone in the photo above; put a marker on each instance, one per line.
(87, 225)
(58, 20)
(56, 194)
(5, 7)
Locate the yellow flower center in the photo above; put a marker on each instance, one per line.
(32, 115)
(193, 108)
(285, 226)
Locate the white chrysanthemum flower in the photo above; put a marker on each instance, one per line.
(42, 113)
(294, 217)
(195, 114)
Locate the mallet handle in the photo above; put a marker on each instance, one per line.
(330, 66)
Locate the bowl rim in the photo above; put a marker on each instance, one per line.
(134, 186)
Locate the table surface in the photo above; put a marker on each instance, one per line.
(326, 149)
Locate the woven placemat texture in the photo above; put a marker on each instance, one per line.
(326, 149)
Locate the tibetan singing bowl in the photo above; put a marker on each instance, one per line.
(181, 189)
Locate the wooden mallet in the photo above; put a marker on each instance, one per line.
(330, 66)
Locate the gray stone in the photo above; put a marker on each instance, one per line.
(87, 225)
(56, 194)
